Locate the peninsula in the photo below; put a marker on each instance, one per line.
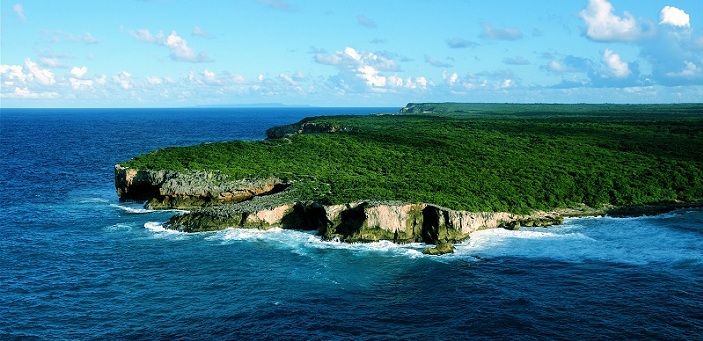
(432, 172)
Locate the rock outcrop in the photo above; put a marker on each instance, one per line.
(169, 190)
(358, 222)
(303, 127)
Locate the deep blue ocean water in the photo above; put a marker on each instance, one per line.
(75, 263)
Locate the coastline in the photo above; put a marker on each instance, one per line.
(415, 176)
(359, 221)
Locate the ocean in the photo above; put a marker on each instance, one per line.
(75, 263)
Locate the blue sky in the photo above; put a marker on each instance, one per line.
(176, 53)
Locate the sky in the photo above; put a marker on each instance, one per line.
(183, 53)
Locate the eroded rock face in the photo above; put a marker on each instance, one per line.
(169, 190)
(356, 222)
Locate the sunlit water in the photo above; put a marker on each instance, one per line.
(75, 263)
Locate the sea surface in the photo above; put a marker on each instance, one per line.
(75, 263)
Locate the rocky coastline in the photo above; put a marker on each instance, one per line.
(215, 202)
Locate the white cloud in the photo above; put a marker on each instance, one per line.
(331, 59)
(51, 62)
(43, 76)
(372, 76)
(12, 74)
(288, 79)
(77, 83)
(603, 25)
(19, 11)
(180, 51)
(498, 80)
(615, 64)
(124, 80)
(690, 70)
(361, 71)
(675, 17)
(78, 72)
(450, 78)
(352, 53)
(152, 80)
(26, 93)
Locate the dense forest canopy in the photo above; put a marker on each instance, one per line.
(476, 157)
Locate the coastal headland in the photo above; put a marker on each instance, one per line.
(432, 172)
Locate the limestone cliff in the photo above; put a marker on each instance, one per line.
(185, 190)
(358, 222)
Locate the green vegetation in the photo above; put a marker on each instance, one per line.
(477, 157)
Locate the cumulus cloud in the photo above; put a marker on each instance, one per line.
(366, 22)
(77, 83)
(124, 80)
(673, 16)
(603, 25)
(78, 72)
(360, 71)
(616, 66)
(436, 63)
(12, 74)
(28, 81)
(43, 76)
(180, 51)
(460, 43)
(19, 11)
(500, 33)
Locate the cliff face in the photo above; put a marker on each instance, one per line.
(168, 189)
(359, 222)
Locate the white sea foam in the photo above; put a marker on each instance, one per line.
(119, 227)
(158, 230)
(635, 240)
(638, 240)
(140, 210)
(301, 242)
